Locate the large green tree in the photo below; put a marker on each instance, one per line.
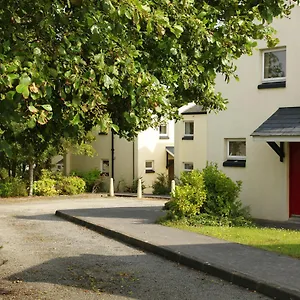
(69, 65)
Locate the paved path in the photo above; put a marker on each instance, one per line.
(132, 221)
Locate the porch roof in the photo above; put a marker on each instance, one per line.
(170, 150)
(194, 110)
(282, 126)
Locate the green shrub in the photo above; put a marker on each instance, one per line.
(132, 188)
(221, 194)
(207, 198)
(70, 185)
(161, 185)
(13, 187)
(188, 197)
(90, 178)
(45, 187)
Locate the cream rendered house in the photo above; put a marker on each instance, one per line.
(152, 152)
(257, 139)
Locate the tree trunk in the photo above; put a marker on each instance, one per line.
(31, 178)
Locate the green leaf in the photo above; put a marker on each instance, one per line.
(107, 81)
(37, 51)
(42, 119)
(32, 109)
(31, 123)
(177, 30)
(47, 107)
(10, 95)
(25, 80)
(76, 119)
(23, 89)
(115, 127)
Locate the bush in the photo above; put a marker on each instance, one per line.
(161, 186)
(71, 185)
(90, 177)
(133, 187)
(45, 187)
(13, 187)
(189, 196)
(207, 198)
(221, 194)
(54, 183)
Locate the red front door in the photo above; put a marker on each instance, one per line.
(295, 179)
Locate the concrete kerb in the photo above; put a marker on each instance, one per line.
(234, 277)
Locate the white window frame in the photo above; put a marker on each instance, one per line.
(188, 170)
(235, 157)
(189, 134)
(276, 79)
(149, 168)
(167, 131)
(102, 164)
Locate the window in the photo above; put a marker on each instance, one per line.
(188, 166)
(163, 131)
(105, 167)
(188, 130)
(236, 149)
(274, 65)
(149, 166)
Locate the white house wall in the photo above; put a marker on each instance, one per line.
(123, 158)
(265, 178)
(150, 147)
(191, 150)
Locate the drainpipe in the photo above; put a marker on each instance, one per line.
(133, 158)
(112, 154)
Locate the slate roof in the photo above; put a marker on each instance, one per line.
(194, 110)
(284, 122)
(171, 150)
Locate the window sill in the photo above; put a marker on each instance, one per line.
(149, 171)
(234, 163)
(189, 138)
(272, 85)
(163, 137)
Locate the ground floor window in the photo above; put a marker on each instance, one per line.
(104, 167)
(236, 149)
(188, 166)
(235, 153)
(149, 166)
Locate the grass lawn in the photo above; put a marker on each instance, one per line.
(278, 240)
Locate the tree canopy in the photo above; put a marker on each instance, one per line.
(69, 65)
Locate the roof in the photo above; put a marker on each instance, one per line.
(170, 150)
(284, 123)
(194, 110)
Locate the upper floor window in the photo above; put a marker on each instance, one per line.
(188, 130)
(274, 65)
(236, 149)
(163, 131)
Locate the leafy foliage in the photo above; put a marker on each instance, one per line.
(189, 196)
(45, 187)
(13, 187)
(207, 198)
(70, 185)
(68, 66)
(221, 193)
(90, 178)
(54, 183)
(132, 188)
(161, 185)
